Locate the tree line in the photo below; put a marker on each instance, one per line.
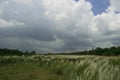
(112, 51)
(10, 52)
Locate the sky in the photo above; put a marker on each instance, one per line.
(59, 25)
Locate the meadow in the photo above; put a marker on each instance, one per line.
(59, 67)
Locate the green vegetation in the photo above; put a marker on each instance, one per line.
(95, 64)
(59, 67)
(26, 71)
(10, 52)
(112, 51)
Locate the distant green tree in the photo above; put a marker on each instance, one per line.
(32, 52)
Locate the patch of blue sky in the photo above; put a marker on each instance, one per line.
(99, 6)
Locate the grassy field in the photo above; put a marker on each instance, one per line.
(59, 67)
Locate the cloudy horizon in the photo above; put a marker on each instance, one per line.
(59, 25)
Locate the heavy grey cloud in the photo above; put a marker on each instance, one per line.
(56, 25)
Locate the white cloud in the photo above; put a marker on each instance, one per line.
(23, 1)
(66, 8)
(115, 4)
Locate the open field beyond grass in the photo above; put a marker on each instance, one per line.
(59, 67)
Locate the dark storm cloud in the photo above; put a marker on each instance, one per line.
(75, 44)
(36, 25)
(79, 41)
(37, 33)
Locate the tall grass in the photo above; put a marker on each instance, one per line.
(59, 68)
